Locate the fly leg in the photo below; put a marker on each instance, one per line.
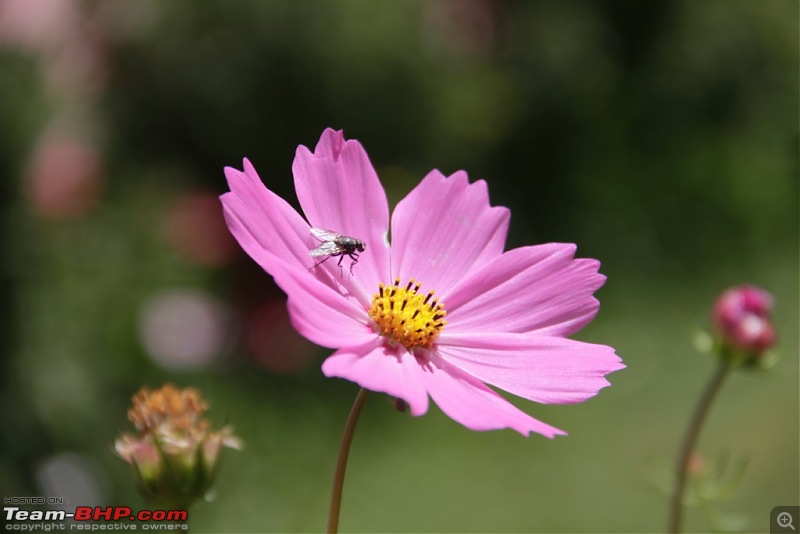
(339, 263)
(354, 257)
(323, 260)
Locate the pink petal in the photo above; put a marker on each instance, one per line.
(540, 289)
(264, 224)
(323, 307)
(339, 191)
(322, 314)
(545, 369)
(471, 403)
(444, 229)
(378, 368)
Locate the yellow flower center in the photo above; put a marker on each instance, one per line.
(406, 316)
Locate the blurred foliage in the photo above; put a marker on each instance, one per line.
(660, 136)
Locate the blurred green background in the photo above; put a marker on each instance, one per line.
(661, 137)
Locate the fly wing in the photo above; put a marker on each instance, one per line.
(328, 248)
(325, 235)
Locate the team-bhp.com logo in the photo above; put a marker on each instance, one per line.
(18, 519)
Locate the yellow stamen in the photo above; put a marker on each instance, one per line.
(405, 316)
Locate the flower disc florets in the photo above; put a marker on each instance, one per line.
(407, 317)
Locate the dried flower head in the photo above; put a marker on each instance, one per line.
(175, 453)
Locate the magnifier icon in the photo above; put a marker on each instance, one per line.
(785, 520)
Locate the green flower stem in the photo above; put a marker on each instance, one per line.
(341, 462)
(689, 441)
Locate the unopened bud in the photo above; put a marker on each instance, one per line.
(743, 323)
(399, 404)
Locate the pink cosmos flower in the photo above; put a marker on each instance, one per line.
(442, 311)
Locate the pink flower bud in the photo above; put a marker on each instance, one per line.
(742, 320)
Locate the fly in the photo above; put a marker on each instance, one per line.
(336, 244)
